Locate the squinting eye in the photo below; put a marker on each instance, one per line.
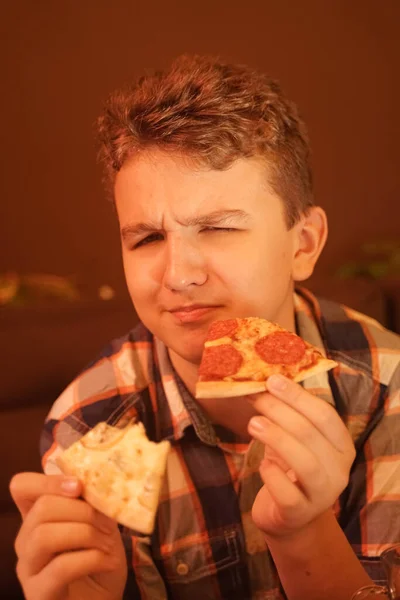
(218, 229)
(153, 237)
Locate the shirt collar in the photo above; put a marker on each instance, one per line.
(307, 313)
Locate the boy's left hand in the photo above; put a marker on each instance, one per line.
(308, 456)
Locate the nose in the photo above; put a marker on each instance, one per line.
(185, 265)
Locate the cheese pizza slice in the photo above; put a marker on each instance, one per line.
(121, 471)
(240, 354)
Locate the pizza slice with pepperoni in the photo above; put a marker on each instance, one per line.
(240, 354)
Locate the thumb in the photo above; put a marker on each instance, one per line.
(26, 488)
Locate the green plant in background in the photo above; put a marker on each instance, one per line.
(35, 289)
(378, 260)
(26, 290)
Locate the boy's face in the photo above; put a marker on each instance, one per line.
(200, 245)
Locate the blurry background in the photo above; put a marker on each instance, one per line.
(338, 60)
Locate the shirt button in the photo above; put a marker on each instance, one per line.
(182, 569)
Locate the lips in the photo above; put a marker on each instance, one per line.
(189, 307)
(191, 313)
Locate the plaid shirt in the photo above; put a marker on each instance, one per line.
(205, 544)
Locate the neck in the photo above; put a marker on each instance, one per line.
(231, 413)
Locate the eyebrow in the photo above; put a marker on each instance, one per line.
(214, 218)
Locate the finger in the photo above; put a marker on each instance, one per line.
(26, 488)
(272, 456)
(299, 426)
(309, 472)
(286, 494)
(67, 568)
(317, 411)
(57, 509)
(49, 539)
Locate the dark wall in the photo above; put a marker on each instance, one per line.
(338, 60)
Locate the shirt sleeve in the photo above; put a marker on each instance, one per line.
(63, 426)
(91, 398)
(370, 506)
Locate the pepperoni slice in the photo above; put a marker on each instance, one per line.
(220, 361)
(281, 347)
(220, 329)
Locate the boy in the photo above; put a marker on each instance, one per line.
(209, 169)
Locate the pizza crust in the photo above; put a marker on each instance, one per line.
(323, 365)
(121, 471)
(231, 389)
(228, 389)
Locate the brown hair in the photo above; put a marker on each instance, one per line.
(214, 113)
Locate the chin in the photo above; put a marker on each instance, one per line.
(188, 347)
(191, 353)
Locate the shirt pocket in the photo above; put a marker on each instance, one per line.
(198, 569)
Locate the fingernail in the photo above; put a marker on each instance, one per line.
(258, 424)
(290, 474)
(70, 485)
(277, 382)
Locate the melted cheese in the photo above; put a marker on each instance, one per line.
(121, 466)
(254, 368)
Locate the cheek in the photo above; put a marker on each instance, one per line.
(138, 279)
(257, 278)
(253, 279)
(254, 262)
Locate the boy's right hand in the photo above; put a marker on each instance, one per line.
(66, 549)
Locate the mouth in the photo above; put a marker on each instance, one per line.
(191, 313)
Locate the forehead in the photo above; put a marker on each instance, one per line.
(157, 182)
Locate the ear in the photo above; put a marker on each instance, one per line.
(310, 235)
